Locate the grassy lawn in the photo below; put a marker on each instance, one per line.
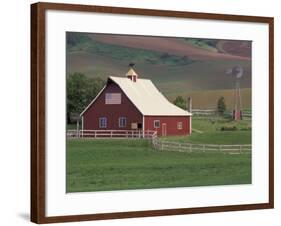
(72, 126)
(209, 132)
(208, 125)
(99, 165)
(227, 137)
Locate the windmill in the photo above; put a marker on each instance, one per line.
(237, 73)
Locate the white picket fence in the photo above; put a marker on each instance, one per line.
(247, 114)
(159, 144)
(110, 134)
(212, 113)
(204, 113)
(162, 145)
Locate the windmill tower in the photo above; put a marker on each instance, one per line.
(237, 73)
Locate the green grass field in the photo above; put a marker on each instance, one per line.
(112, 164)
(209, 132)
(101, 165)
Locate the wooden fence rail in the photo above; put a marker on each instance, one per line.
(162, 145)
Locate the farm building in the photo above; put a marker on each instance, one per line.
(131, 103)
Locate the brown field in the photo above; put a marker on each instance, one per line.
(169, 45)
(238, 48)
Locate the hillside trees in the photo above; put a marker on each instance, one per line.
(80, 91)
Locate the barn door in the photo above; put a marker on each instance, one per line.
(164, 129)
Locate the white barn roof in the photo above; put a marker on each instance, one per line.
(147, 98)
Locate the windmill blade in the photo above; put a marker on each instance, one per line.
(237, 71)
(228, 71)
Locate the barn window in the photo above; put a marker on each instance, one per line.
(113, 98)
(156, 123)
(122, 122)
(179, 125)
(102, 122)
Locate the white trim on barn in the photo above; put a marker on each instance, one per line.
(190, 125)
(82, 124)
(143, 127)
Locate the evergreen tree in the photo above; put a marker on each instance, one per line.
(180, 102)
(221, 107)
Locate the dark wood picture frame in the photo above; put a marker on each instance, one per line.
(38, 24)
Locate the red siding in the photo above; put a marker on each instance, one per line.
(111, 111)
(171, 124)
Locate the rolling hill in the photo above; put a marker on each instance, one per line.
(177, 66)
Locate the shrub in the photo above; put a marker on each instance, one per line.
(228, 128)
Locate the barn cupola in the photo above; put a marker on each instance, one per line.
(131, 74)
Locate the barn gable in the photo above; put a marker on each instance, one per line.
(112, 106)
(103, 90)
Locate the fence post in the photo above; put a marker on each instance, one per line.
(204, 148)
(240, 149)
(219, 147)
(190, 149)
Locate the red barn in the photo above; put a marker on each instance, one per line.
(131, 103)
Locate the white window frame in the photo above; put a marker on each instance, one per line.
(101, 124)
(154, 122)
(120, 120)
(179, 125)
